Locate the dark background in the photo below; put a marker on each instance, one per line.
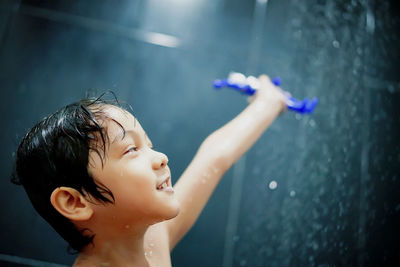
(337, 171)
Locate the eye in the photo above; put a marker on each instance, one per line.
(131, 150)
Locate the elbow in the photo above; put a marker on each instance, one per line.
(222, 163)
(217, 153)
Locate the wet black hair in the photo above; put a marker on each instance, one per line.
(55, 153)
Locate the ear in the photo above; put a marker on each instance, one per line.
(71, 204)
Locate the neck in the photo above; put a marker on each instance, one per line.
(124, 248)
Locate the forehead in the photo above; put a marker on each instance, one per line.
(120, 116)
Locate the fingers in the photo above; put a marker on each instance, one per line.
(264, 79)
(273, 92)
(266, 83)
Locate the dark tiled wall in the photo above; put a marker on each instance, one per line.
(336, 171)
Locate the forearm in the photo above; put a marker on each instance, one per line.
(233, 140)
(215, 156)
(193, 190)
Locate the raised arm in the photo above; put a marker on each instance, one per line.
(219, 152)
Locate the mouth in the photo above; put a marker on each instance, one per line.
(165, 185)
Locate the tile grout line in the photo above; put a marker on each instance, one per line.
(239, 168)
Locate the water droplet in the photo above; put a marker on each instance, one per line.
(273, 185)
(391, 88)
(127, 226)
(312, 123)
(370, 23)
(292, 193)
(150, 253)
(397, 207)
(145, 253)
(215, 170)
(151, 244)
(336, 44)
(207, 175)
(311, 259)
(297, 34)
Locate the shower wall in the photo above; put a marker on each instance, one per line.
(315, 190)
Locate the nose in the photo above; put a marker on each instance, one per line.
(160, 160)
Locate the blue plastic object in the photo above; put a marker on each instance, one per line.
(300, 106)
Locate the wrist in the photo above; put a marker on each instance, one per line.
(263, 105)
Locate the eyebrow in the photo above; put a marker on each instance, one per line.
(129, 132)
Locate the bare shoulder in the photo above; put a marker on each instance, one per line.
(156, 245)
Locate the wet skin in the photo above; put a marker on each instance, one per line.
(131, 229)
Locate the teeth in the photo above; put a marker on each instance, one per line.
(165, 187)
(169, 189)
(162, 186)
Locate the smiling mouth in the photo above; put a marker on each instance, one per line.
(165, 186)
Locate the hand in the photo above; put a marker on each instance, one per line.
(270, 94)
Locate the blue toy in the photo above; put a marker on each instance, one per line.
(249, 85)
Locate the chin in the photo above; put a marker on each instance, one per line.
(178, 209)
(171, 213)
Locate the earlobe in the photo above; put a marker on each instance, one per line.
(71, 204)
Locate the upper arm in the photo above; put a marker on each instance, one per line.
(194, 188)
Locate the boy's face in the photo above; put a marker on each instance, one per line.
(132, 171)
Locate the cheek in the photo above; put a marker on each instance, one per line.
(133, 187)
(132, 182)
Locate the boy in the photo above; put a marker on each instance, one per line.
(90, 171)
